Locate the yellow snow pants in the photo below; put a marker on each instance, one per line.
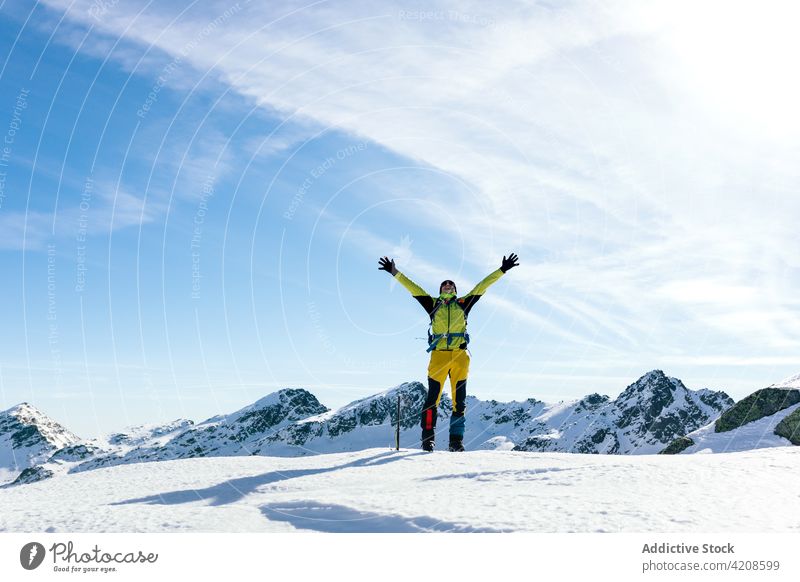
(444, 363)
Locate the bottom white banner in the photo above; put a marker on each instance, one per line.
(378, 557)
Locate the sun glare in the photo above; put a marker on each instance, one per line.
(740, 59)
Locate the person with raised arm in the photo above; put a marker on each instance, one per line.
(447, 344)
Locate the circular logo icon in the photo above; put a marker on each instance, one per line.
(31, 555)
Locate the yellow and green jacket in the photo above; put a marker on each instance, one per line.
(448, 312)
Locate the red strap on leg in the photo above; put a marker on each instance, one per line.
(429, 419)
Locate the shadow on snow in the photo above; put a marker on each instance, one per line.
(331, 518)
(235, 489)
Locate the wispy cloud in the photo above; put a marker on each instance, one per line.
(103, 211)
(579, 128)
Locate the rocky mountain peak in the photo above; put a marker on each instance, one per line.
(22, 407)
(27, 426)
(28, 437)
(653, 386)
(288, 404)
(591, 402)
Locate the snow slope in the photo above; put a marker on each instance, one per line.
(788, 383)
(758, 434)
(381, 490)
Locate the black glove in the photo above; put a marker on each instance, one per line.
(509, 263)
(387, 265)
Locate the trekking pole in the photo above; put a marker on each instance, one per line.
(397, 434)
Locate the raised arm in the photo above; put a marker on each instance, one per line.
(416, 291)
(472, 297)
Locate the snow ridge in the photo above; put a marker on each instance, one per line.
(788, 383)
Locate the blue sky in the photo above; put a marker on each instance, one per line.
(194, 198)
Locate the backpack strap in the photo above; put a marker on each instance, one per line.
(434, 339)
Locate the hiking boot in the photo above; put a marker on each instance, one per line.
(428, 441)
(456, 444)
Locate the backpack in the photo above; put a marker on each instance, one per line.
(433, 339)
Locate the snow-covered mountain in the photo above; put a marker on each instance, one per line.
(28, 437)
(769, 417)
(644, 418)
(62, 459)
(135, 436)
(224, 435)
(371, 422)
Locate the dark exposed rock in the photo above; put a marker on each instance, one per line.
(77, 452)
(789, 428)
(32, 475)
(678, 445)
(761, 403)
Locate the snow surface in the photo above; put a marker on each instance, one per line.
(790, 382)
(758, 434)
(380, 490)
